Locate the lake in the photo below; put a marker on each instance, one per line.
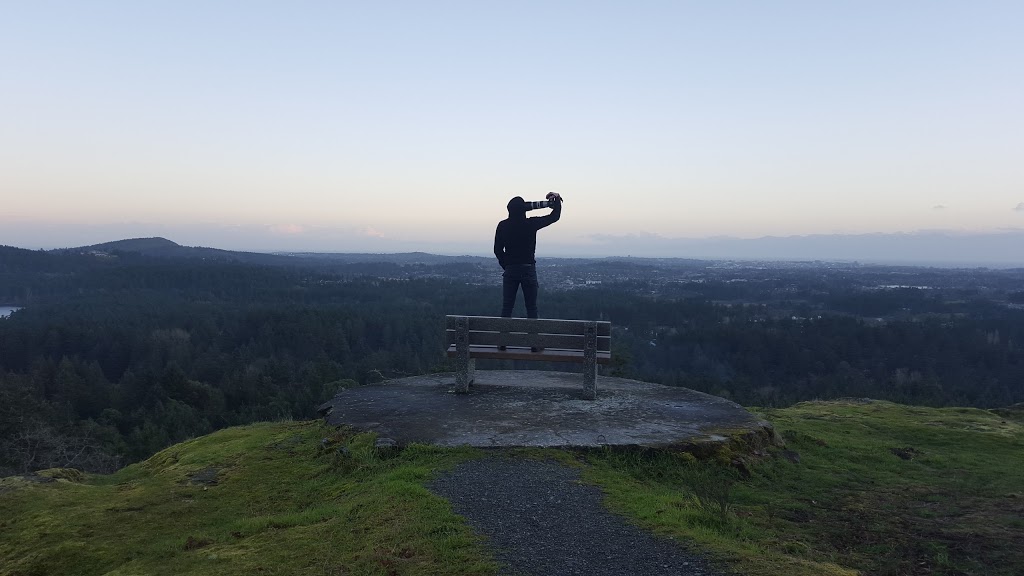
(5, 311)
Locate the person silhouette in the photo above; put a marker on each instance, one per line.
(515, 246)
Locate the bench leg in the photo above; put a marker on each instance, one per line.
(589, 381)
(465, 367)
(465, 375)
(590, 361)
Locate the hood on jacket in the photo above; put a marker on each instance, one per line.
(516, 207)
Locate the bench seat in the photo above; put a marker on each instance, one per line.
(524, 353)
(586, 342)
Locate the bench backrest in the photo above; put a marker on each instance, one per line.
(544, 332)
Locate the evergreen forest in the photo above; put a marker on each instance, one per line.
(113, 356)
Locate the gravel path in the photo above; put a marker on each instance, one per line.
(540, 521)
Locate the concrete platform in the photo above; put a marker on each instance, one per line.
(514, 408)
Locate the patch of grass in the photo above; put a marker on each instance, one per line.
(880, 488)
(274, 498)
(862, 488)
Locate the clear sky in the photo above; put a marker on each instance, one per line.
(384, 126)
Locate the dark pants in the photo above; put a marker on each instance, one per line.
(517, 275)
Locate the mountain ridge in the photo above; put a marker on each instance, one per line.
(160, 247)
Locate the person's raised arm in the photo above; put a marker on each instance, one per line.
(556, 212)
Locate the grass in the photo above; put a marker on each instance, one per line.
(879, 488)
(260, 499)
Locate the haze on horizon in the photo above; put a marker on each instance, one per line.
(374, 127)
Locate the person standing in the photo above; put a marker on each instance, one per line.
(515, 246)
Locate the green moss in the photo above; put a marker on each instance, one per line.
(69, 474)
(265, 499)
(880, 488)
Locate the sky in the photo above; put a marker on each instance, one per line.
(396, 126)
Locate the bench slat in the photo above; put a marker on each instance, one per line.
(524, 339)
(524, 353)
(532, 325)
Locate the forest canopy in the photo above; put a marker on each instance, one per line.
(115, 356)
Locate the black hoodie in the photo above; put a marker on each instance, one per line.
(515, 239)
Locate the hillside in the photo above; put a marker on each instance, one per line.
(863, 487)
(141, 245)
(164, 248)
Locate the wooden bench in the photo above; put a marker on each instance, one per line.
(581, 341)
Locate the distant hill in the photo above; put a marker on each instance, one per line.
(63, 261)
(141, 245)
(164, 248)
(397, 258)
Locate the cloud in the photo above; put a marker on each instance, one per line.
(616, 238)
(1019, 207)
(287, 229)
(372, 232)
(938, 207)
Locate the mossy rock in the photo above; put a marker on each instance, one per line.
(69, 474)
(1014, 412)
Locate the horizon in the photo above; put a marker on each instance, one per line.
(925, 249)
(668, 127)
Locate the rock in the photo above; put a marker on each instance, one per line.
(907, 453)
(741, 465)
(385, 444)
(386, 447)
(193, 543)
(325, 444)
(205, 477)
(791, 455)
(69, 474)
(38, 479)
(548, 412)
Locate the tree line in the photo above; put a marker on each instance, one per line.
(112, 359)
